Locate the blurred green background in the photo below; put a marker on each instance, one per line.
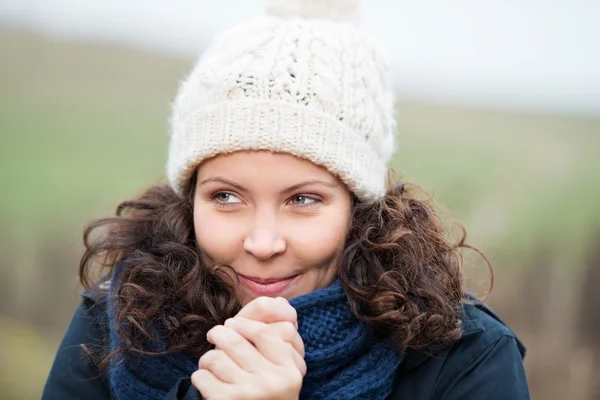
(83, 127)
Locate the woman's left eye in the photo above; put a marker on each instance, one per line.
(302, 200)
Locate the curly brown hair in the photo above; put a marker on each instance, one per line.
(399, 269)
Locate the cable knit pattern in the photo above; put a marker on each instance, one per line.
(311, 87)
(343, 358)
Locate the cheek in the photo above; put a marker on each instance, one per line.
(319, 241)
(217, 236)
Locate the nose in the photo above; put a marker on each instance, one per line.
(263, 241)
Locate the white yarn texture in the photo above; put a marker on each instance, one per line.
(314, 88)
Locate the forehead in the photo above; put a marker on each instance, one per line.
(263, 165)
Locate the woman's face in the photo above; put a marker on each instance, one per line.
(279, 221)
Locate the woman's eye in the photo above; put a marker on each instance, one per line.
(302, 200)
(226, 198)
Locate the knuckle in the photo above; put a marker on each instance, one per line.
(288, 329)
(301, 350)
(283, 301)
(217, 330)
(263, 304)
(289, 348)
(211, 357)
(232, 341)
(281, 383)
(296, 380)
(273, 384)
(293, 313)
(303, 368)
(198, 378)
(264, 332)
(227, 338)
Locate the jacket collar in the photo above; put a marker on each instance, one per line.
(469, 314)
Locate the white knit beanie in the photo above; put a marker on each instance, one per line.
(302, 80)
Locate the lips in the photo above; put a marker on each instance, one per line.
(266, 286)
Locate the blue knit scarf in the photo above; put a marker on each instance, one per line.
(344, 359)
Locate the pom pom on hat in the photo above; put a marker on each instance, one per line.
(333, 10)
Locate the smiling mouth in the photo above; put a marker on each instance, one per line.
(268, 286)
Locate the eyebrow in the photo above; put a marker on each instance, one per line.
(311, 182)
(290, 189)
(225, 181)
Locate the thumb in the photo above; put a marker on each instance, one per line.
(268, 310)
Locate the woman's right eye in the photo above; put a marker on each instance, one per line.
(224, 198)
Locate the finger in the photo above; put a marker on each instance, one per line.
(237, 347)
(209, 385)
(300, 363)
(271, 346)
(285, 330)
(289, 333)
(268, 310)
(221, 365)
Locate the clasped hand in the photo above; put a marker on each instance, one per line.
(258, 355)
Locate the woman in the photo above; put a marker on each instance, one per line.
(276, 264)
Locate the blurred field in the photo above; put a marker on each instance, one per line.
(85, 126)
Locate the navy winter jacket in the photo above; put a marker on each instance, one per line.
(485, 364)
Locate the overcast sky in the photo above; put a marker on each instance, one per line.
(532, 54)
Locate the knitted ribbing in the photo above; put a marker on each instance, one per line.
(343, 357)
